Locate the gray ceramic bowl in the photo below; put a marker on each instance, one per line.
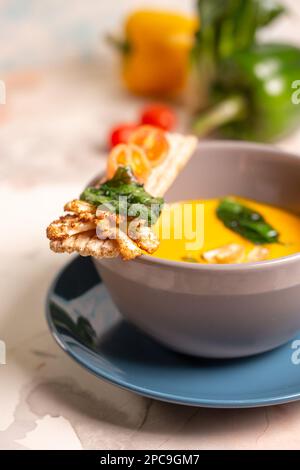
(218, 311)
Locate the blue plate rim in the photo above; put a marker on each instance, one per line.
(146, 392)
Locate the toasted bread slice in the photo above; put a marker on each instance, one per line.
(163, 176)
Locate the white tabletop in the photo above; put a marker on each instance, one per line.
(53, 131)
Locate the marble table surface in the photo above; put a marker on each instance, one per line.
(52, 140)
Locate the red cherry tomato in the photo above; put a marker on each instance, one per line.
(159, 115)
(131, 155)
(153, 141)
(121, 134)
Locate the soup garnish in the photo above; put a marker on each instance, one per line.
(246, 222)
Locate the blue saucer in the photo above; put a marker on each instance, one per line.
(85, 323)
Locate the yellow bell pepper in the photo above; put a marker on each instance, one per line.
(157, 45)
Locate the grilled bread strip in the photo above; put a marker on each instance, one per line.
(91, 233)
(143, 236)
(78, 207)
(86, 244)
(69, 225)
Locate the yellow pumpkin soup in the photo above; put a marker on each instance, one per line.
(227, 230)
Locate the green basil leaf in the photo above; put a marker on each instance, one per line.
(124, 194)
(246, 222)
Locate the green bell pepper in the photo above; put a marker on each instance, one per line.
(247, 85)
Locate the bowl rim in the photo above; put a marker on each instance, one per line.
(277, 152)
